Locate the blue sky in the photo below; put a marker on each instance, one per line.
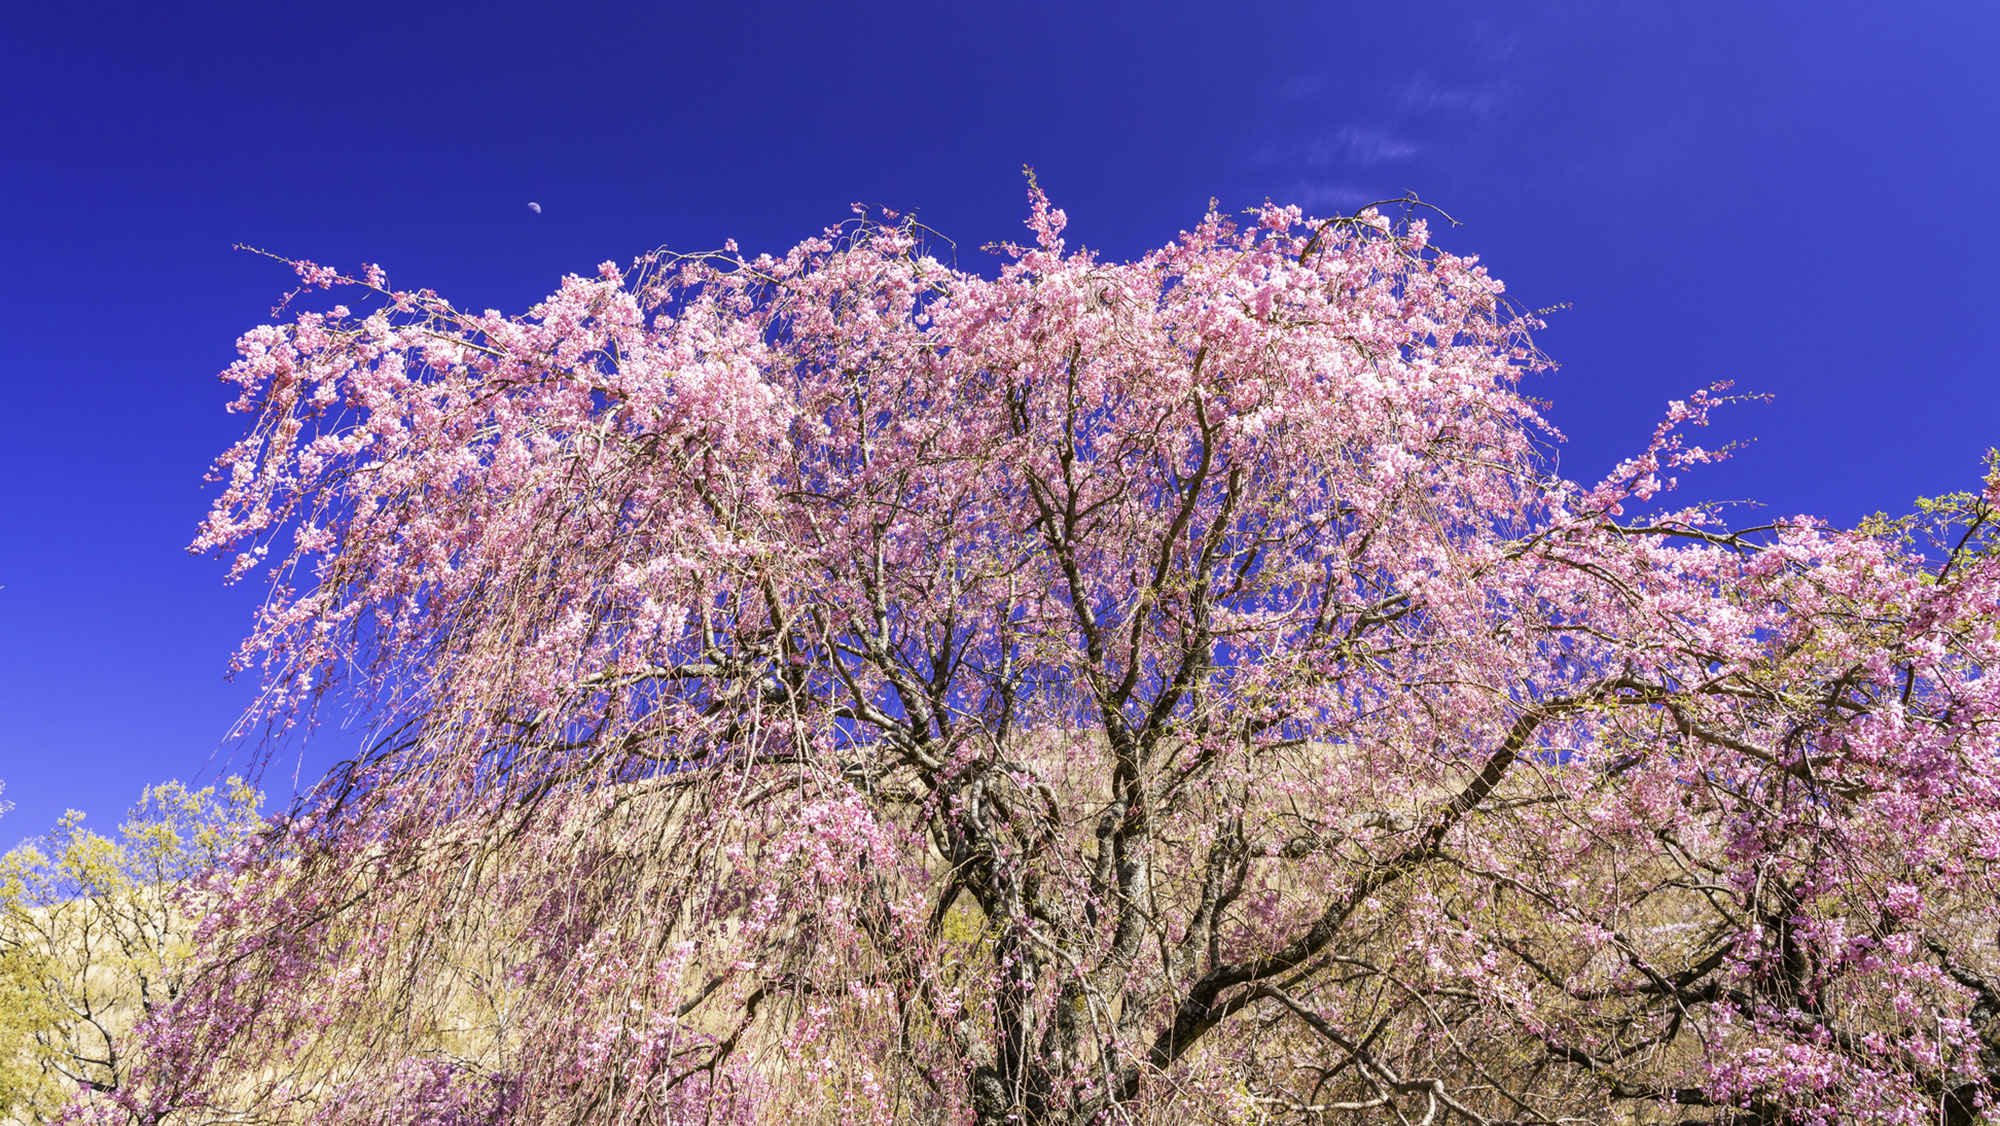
(1796, 196)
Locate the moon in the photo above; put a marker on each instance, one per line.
(535, 207)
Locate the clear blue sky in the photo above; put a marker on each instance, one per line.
(1799, 196)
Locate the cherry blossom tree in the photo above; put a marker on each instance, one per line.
(842, 686)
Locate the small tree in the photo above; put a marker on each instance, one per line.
(94, 938)
(856, 689)
(19, 1018)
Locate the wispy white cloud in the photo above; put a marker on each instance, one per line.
(1350, 146)
(1299, 87)
(1356, 145)
(1338, 138)
(1421, 95)
(1494, 45)
(1328, 196)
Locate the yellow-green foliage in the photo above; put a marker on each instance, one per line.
(91, 940)
(21, 1013)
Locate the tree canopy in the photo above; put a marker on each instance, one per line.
(95, 936)
(843, 686)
